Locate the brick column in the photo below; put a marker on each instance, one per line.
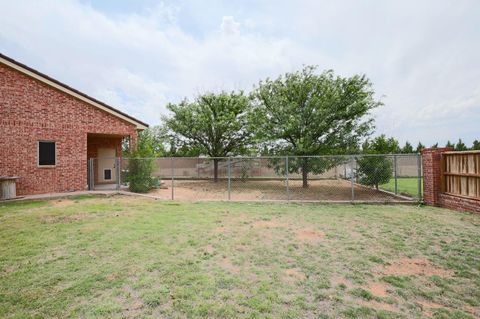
(132, 145)
(431, 174)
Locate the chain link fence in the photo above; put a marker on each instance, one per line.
(342, 178)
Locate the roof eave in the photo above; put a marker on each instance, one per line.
(71, 91)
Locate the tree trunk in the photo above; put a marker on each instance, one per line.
(305, 172)
(215, 170)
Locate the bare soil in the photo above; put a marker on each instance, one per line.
(227, 264)
(251, 190)
(415, 266)
(269, 224)
(292, 275)
(309, 235)
(428, 307)
(61, 202)
(378, 289)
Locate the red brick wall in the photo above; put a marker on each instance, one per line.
(459, 203)
(431, 174)
(95, 142)
(31, 111)
(432, 187)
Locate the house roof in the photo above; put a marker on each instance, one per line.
(71, 91)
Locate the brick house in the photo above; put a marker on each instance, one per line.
(49, 131)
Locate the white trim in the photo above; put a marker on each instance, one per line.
(38, 154)
(139, 126)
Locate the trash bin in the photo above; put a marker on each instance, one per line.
(8, 187)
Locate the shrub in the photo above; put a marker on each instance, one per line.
(139, 175)
(374, 170)
(141, 163)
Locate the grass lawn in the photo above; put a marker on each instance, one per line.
(406, 186)
(132, 257)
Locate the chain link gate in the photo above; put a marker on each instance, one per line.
(104, 173)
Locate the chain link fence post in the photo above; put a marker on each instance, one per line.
(286, 178)
(173, 176)
(395, 173)
(419, 175)
(352, 176)
(117, 170)
(229, 175)
(90, 174)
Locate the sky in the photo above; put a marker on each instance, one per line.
(423, 57)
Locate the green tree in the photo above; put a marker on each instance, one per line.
(215, 124)
(450, 145)
(375, 168)
(381, 145)
(408, 148)
(460, 146)
(420, 147)
(178, 148)
(141, 163)
(151, 141)
(434, 145)
(476, 145)
(304, 113)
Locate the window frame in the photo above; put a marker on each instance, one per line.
(38, 153)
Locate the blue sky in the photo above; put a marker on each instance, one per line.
(423, 57)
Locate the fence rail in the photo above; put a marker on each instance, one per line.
(366, 178)
(460, 173)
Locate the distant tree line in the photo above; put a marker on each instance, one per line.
(394, 146)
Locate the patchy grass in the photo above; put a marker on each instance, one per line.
(129, 257)
(407, 186)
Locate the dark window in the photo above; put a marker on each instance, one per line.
(46, 153)
(107, 174)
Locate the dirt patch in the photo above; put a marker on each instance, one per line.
(253, 190)
(52, 219)
(119, 214)
(472, 310)
(415, 266)
(227, 264)
(268, 224)
(308, 235)
(210, 249)
(241, 248)
(131, 302)
(221, 229)
(378, 289)
(293, 275)
(111, 277)
(62, 202)
(428, 306)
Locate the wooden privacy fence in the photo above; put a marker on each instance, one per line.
(461, 173)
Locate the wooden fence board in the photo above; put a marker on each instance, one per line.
(461, 173)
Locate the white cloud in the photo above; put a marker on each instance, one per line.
(229, 26)
(422, 56)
